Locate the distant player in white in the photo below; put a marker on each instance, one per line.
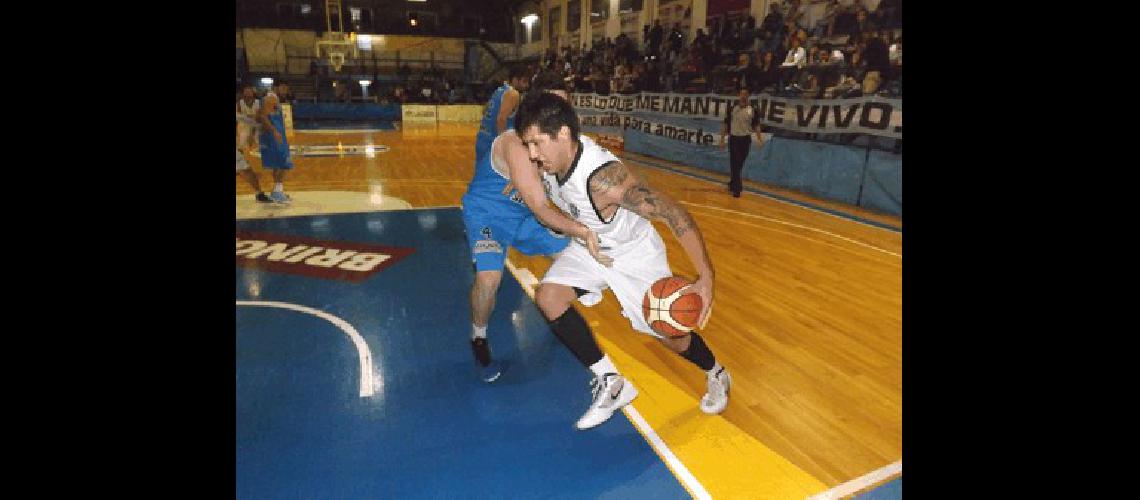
(594, 187)
(247, 108)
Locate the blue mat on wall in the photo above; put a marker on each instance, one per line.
(346, 111)
(882, 186)
(847, 174)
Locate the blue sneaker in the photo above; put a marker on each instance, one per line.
(279, 197)
(491, 372)
(488, 369)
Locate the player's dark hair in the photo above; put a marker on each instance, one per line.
(548, 112)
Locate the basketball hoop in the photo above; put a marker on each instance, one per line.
(336, 47)
(336, 59)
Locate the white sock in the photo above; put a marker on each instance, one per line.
(478, 332)
(603, 367)
(278, 187)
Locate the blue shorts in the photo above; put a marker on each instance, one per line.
(494, 227)
(275, 155)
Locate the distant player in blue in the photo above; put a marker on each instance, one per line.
(495, 222)
(274, 147)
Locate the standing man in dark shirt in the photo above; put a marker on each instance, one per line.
(676, 40)
(655, 36)
(772, 27)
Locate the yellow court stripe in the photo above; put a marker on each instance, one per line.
(725, 460)
(728, 462)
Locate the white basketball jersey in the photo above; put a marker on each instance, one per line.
(622, 232)
(249, 110)
(247, 116)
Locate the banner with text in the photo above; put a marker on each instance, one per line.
(866, 115)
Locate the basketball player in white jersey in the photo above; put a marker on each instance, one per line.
(508, 153)
(594, 187)
(247, 108)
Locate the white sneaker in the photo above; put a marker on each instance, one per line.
(716, 399)
(612, 393)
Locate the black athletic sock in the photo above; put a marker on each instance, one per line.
(482, 351)
(699, 354)
(572, 330)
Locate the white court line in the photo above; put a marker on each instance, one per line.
(770, 197)
(778, 221)
(859, 483)
(528, 281)
(340, 131)
(366, 384)
(363, 211)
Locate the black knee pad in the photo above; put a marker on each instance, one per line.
(698, 353)
(572, 330)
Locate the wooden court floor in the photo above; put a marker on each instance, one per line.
(807, 316)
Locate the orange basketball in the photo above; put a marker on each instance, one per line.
(670, 308)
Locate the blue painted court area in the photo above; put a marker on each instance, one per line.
(338, 124)
(432, 429)
(891, 490)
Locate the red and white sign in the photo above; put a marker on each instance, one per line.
(337, 260)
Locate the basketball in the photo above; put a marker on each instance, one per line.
(670, 308)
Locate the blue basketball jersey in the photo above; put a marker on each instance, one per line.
(487, 183)
(275, 154)
(487, 127)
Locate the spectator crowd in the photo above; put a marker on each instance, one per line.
(849, 51)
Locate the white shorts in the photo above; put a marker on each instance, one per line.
(246, 136)
(241, 163)
(634, 271)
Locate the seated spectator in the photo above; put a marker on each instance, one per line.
(849, 78)
(829, 69)
(895, 52)
(598, 79)
(837, 56)
(688, 68)
(741, 64)
(751, 74)
(769, 71)
(621, 77)
(635, 81)
(793, 62)
(650, 78)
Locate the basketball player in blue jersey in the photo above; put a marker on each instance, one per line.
(590, 183)
(273, 145)
(495, 222)
(500, 113)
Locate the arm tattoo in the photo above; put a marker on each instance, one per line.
(643, 200)
(609, 175)
(640, 198)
